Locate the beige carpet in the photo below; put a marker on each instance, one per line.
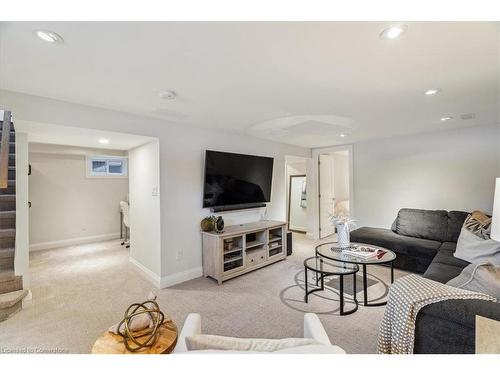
(79, 291)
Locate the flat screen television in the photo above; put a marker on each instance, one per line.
(236, 179)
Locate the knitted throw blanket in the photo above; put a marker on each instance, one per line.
(406, 297)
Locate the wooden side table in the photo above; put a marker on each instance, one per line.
(109, 343)
(487, 335)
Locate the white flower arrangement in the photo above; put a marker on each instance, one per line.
(341, 220)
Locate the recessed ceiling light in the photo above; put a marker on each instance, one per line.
(446, 118)
(393, 32)
(167, 94)
(343, 135)
(103, 141)
(431, 92)
(49, 36)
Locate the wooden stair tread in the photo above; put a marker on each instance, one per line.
(7, 253)
(7, 197)
(10, 299)
(5, 214)
(7, 275)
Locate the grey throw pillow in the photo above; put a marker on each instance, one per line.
(479, 278)
(474, 244)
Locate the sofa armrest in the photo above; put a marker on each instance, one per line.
(313, 329)
(449, 326)
(192, 326)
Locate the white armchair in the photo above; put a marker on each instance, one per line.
(313, 329)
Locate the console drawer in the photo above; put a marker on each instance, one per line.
(255, 257)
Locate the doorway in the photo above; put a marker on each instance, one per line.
(334, 187)
(297, 203)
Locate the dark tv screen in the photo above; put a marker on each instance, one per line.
(236, 179)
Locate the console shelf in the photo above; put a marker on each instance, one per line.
(243, 248)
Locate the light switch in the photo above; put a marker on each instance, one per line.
(154, 191)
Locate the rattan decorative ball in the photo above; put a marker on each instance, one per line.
(146, 337)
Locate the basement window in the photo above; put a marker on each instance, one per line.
(107, 166)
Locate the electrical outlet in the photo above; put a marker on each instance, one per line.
(154, 191)
(179, 255)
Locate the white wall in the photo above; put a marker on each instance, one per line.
(452, 169)
(181, 171)
(182, 163)
(145, 237)
(67, 207)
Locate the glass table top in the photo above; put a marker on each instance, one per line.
(330, 266)
(331, 251)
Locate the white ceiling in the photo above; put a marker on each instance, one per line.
(297, 82)
(70, 136)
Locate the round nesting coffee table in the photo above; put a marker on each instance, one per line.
(330, 250)
(326, 267)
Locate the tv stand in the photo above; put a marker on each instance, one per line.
(243, 248)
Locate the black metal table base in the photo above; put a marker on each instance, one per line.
(365, 288)
(341, 291)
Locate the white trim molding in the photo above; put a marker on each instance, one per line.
(73, 241)
(169, 280)
(149, 275)
(181, 277)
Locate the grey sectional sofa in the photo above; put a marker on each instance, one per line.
(424, 241)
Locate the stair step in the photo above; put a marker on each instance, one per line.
(7, 238)
(12, 160)
(9, 282)
(11, 298)
(7, 219)
(12, 137)
(11, 303)
(7, 202)
(12, 129)
(7, 259)
(10, 189)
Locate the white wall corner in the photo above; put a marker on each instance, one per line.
(181, 277)
(149, 275)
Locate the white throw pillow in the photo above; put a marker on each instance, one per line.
(477, 250)
(212, 342)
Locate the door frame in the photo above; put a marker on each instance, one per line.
(290, 200)
(316, 179)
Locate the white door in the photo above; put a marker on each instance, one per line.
(326, 195)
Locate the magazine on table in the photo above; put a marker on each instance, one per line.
(364, 251)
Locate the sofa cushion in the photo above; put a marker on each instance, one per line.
(450, 246)
(446, 257)
(425, 224)
(442, 272)
(455, 222)
(418, 247)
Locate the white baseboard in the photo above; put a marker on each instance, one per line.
(28, 300)
(149, 275)
(73, 241)
(180, 277)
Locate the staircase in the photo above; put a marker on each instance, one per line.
(11, 286)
